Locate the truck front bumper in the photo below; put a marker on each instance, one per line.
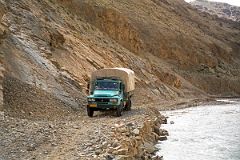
(98, 107)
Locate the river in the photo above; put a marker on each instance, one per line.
(203, 133)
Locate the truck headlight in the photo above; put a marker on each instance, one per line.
(91, 99)
(113, 100)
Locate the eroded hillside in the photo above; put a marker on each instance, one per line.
(51, 47)
(222, 10)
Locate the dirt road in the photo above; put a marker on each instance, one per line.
(73, 137)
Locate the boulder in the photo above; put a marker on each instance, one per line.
(121, 151)
(162, 138)
(136, 132)
(150, 148)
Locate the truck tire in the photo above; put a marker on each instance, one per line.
(119, 110)
(90, 112)
(129, 105)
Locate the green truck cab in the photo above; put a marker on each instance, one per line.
(111, 89)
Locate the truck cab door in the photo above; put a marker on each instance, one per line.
(122, 87)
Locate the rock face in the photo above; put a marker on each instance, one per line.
(2, 37)
(52, 46)
(222, 10)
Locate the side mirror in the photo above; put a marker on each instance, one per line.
(88, 87)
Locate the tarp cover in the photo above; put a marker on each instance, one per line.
(125, 74)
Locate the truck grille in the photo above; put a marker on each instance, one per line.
(102, 100)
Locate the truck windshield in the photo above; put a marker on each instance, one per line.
(101, 85)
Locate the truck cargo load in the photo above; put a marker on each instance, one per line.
(125, 74)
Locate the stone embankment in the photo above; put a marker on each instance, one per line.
(137, 139)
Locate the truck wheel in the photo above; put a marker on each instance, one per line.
(129, 105)
(90, 112)
(119, 110)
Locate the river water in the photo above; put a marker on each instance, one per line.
(203, 133)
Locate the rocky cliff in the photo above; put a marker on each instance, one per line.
(50, 48)
(222, 10)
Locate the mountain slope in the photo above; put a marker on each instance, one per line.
(223, 10)
(52, 46)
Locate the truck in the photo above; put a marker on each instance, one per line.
(111, 89)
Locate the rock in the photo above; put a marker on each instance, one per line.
(164, 132)
(136, 132)
(122, 130)
(118, 125)
(54, 144)
(22, 111)
(57, 39)
(104, 144)
(115, 144)
(122, 157)
(162, 138)
(164, 120)
(138, 138)
(150, 148)
(211, 70)
(90, 148)
(156, 129)
(97, 152)
(89, 144)
(76, 127)
(157, 158)
(110, 150)
(121, 152)
(130, 124)
(117, 148)
(32, 147)
(171, 122)
(109, 157)
(50, 126)
(127, 134)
